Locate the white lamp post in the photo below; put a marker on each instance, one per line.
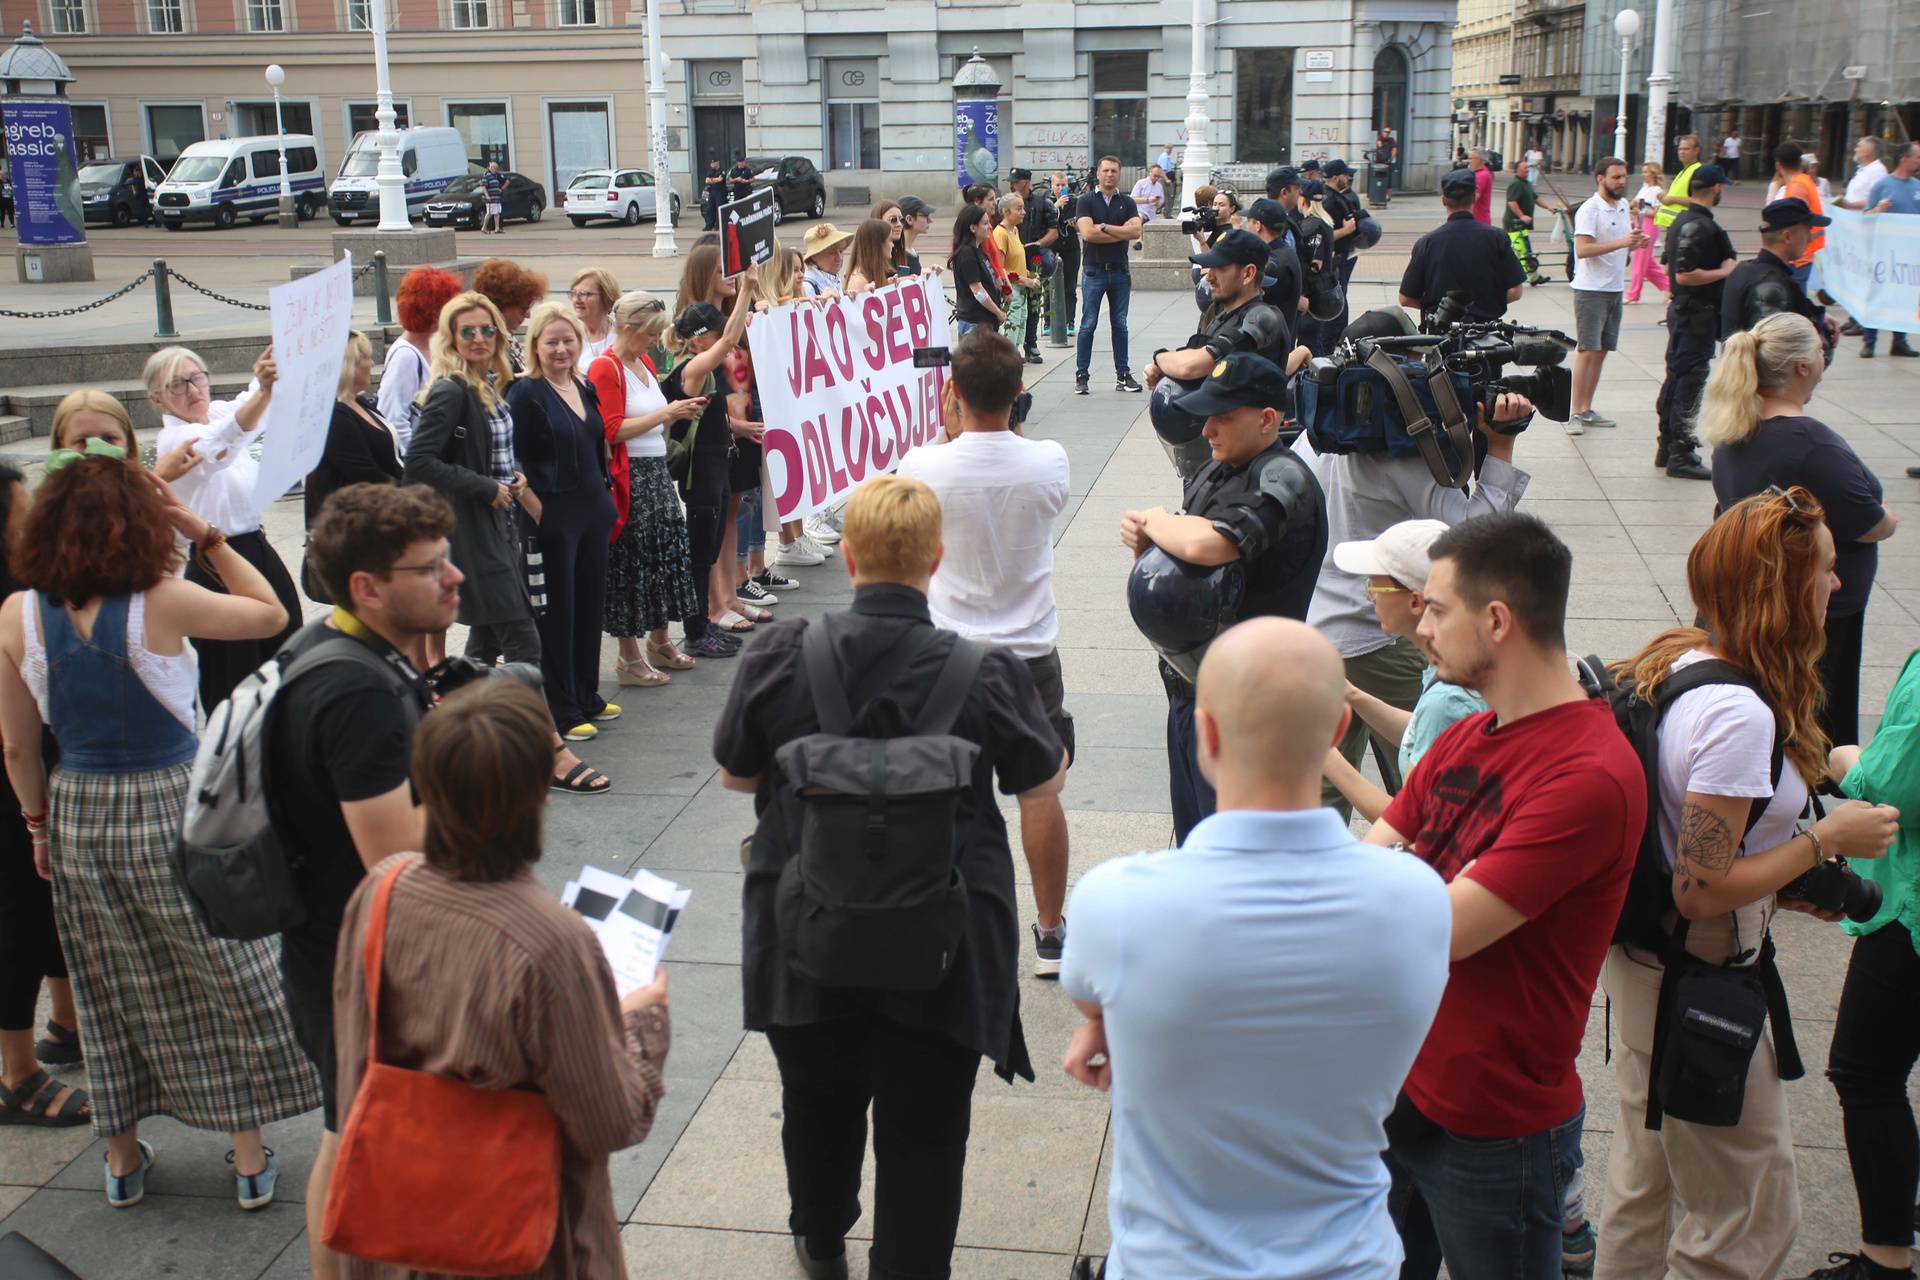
(1196, 162)
(663, 245)
(277, 76)
(388, 176)
(1627, 24)
(1659, 80)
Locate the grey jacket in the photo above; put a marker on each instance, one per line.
(449, 453)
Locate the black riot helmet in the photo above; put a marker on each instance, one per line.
(1181, 607)
(1179, 431)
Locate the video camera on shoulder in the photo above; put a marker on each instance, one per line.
(1203, 221)
(1388, 388)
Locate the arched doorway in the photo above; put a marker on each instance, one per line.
(1391, 75)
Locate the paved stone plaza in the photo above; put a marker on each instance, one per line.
(705, 1194)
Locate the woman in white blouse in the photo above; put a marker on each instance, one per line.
(593, 293)
(220, 491)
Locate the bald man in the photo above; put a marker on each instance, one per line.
(1255, 1019)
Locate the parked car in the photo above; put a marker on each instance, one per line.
(431, 156)
(625, 195)
(222, 180)
(464, 201)
(797, 186)
(120, 189)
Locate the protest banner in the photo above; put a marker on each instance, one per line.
(747, 227)
(1872, 265)
(841, 397)
(46, 177)
(311, 319)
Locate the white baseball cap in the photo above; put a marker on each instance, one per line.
(1400, 553)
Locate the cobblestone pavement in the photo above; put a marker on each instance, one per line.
(704, 1195)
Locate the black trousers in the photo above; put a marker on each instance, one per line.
(1876, 1040)
(920, 1086)
(706, 500)
(1840, 673)
(573, 533)
(29, 941)
(710, 203)
(1192, 795)
(1690, 339)
(225, 663)
(1052, 687)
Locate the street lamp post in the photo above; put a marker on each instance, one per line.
(277, 76)
(1659, 81)
(1627, 24)
(663, 245)
(388, 177)
(1196, 162)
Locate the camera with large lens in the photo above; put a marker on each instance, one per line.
(1835, 886)
(1203, 221)
(458, 671)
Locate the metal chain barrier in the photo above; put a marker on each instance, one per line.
(217, 297)
(84, 307)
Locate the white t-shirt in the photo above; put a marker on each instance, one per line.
(1860, 186)
(592, 349)
(400, 381)
(1648, 197)
(1730, 148)
(644, 396)
(999, 494)
(1718, 741)
(1606, 272)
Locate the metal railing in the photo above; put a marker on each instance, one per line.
(163, 277)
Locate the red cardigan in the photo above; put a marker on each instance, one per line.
(609, 380)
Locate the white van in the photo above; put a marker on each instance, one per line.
(226, 179)
(430, 157)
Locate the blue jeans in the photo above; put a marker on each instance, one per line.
(1488, 1207)
(1116, 286)
(966, 327)
(750, 533)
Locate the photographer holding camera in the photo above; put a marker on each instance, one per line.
(1238, 320)
(1462, 253)
(341, 746)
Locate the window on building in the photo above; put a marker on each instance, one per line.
(1263, 104)
(171, 129)
(361, 118)
(853, 113)
(166, 17)
(1120, 107)
(472, 15)
(69, 17)
(359, 15)
(90, 132)
(484, 126)
(579, 13)
(265, 15)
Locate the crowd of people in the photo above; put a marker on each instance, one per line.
(548, 473)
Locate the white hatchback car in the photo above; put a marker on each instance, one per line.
(625, 195)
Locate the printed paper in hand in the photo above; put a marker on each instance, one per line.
(633, 918)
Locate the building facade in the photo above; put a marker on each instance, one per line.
(861, 87)
(1483, 78)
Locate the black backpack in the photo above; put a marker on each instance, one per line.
(871, 898)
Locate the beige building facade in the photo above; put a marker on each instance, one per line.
(1483, 55)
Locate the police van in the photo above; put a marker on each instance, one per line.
(430, 158)
(226, 179)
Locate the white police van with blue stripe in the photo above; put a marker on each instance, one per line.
(430, 157)
(226, 179)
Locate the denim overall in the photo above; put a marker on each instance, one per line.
(101, 712)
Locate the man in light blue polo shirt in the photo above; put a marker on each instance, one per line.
(1259, 995)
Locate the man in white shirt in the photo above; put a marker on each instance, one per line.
(1869, 170)
(999, 494)
(1730, 152)
(1604, 237)
(1150, 193)
(1257, 1018)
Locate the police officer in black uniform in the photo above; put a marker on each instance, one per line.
(1248, 544)
(739, 178)
(1699, 258)
(1462, 253)
(1281, 285)
(1238, 320)
(713, 194)
(1318, 311)
(1759, 288)
(1342, 205)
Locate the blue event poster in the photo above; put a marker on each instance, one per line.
(46, 178)
(976, 143)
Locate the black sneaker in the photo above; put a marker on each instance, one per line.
(833, 1268)
(1034, 357)
(752, 590)
(1660, 454)
(710, 645)
(1126, 383)
(1048, 945)
(1687, 466)
(775, 582)
(1903, 349)
(1080, 386)
(1857, 1266)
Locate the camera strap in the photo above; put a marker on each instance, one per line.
(1421, 427)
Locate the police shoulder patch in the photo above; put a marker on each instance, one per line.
(1220, 370)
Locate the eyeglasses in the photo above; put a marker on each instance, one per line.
(434, 568)
(178, 387)
(469, 332)
(584, 295)
(1394, 590)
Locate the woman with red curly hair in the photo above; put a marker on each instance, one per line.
(176, 1022)
(516, 291)
(423, 291)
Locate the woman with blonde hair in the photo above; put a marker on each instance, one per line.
(1754, 414)
(870, 265)
(593, 292)
(782, 277)
(1646, 259)
(93, 414)
(649, 576)
(1738, 748)
(1020, 274)
(701, 281)
(361, 448)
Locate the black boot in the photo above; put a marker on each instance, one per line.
(1683, 461)
(1901, 347)
(1660, 454)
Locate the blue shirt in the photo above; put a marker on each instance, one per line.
(1265, 989)
(1439, 706)
(1904, 192)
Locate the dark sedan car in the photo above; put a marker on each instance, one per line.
(798, 188)
(464, 202)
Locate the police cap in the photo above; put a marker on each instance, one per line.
(1459, 185)
(1280, 179)
(1234, 249)
(1782, 214)
(1337, 168)
(1269, 213)
(1239, 380)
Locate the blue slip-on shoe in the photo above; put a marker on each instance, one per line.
(256, 1189)
(128, 1189)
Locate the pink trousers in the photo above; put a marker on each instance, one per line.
(1646, 262)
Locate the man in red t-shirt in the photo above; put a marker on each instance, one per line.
(1532, 812)
(1482, 185)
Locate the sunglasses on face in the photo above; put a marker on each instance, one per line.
(469, 332)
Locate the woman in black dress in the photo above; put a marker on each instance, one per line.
(361, 448)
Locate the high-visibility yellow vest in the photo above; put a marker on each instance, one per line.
(1672, 203)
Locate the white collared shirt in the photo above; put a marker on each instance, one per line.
(1606, 221)
(999, 494)
(1860, 186)
(220, 489)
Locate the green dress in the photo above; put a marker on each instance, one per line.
(1889, 773)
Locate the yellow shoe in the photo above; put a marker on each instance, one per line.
(581, 733)
(609, 712)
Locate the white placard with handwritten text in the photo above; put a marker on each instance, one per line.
(311, 319)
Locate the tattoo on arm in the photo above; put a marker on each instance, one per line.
(1706, 846)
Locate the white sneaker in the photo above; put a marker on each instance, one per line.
(799, 554)
(818, 529)
(814, 546)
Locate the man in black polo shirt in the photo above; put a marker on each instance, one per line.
(341, 746)
(1039, 232)
(1699, 257)
(1108, 224)
(910, 1056)
(1462, 253)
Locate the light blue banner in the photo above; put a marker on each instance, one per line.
(1872, 265)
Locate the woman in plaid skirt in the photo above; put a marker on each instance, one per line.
(176, 1022)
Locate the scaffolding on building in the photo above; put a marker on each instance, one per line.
(1796, 53)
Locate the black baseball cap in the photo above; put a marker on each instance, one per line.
(1240, 380)
(699, 318)
(1234, 249)
(1280, 179)
(914, 206)
(1310, 165)
(1268, 213)
(1707, 175)
(1019, 175)
(1336, 168)
(1459, 185)
(1794, 212)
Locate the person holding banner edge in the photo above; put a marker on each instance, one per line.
(700, 341)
